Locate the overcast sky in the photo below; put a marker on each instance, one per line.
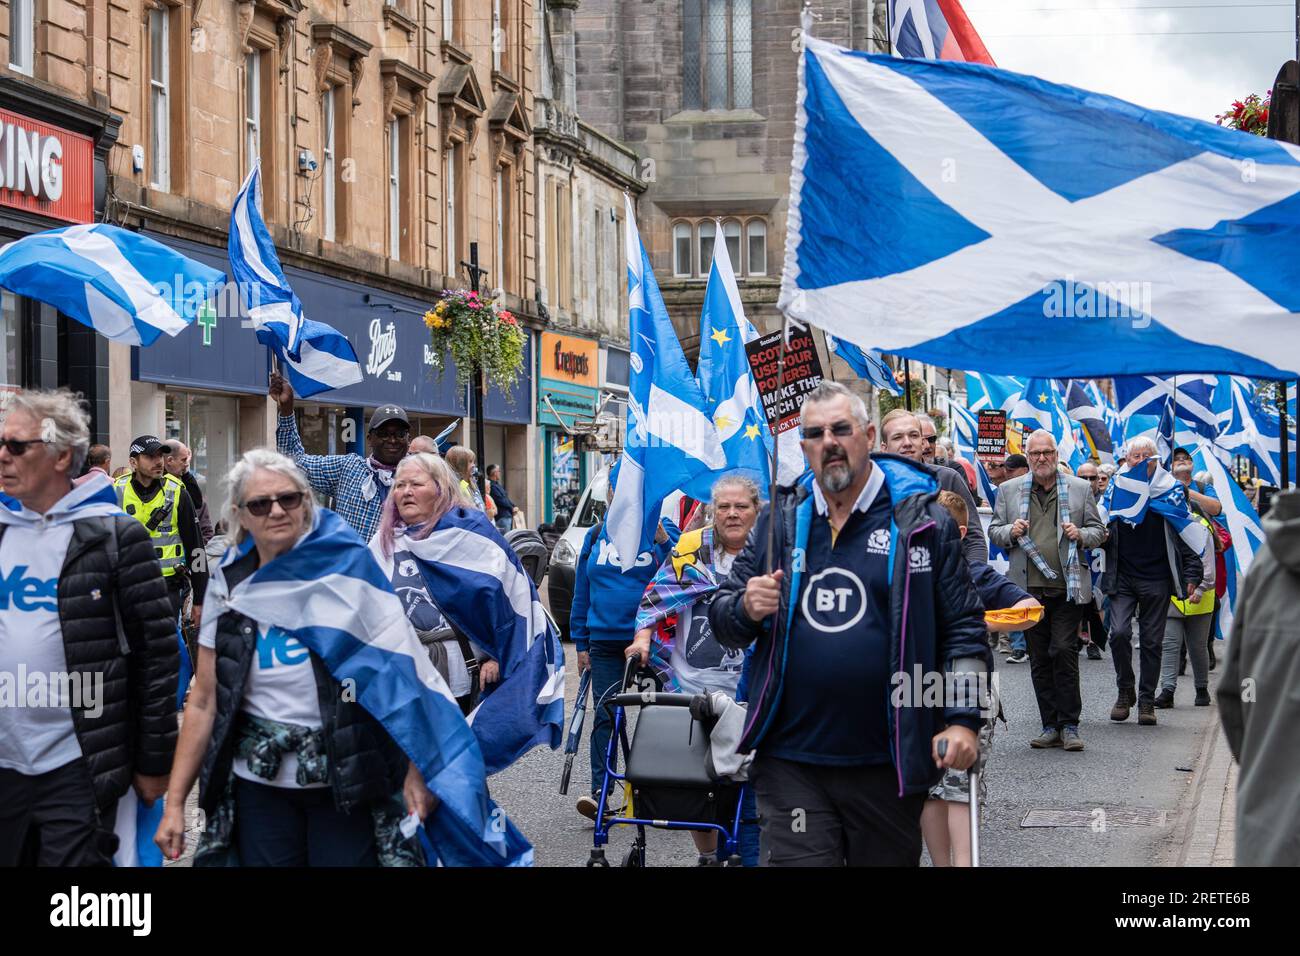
(1187, 56)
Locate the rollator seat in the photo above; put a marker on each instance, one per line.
(669, 772)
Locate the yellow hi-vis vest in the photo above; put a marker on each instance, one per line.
(1206, 604)
(158, 517)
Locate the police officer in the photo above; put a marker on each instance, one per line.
(160, 502)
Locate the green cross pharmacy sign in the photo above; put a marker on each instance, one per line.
(207, 318)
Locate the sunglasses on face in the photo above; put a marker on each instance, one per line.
(261, 507)
(839, 430)
(18, 447)
(391, 435)
(932, 440)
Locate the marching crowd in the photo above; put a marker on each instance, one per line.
(805, 610)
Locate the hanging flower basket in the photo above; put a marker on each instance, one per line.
(476, 333)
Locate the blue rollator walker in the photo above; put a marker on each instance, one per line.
(667, 771)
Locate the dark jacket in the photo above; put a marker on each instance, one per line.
(937, 617)
(975, 545)
(1184, 563)
(135, 733)
(200, 506)
(366, 765)
(505, 507)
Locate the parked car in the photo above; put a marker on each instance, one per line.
(562, 569)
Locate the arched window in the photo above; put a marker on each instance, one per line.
(756, 240)
(708, 233)
(731, 233)
(682, 249)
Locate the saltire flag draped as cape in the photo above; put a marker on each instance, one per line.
(477, 581)
(330, 593)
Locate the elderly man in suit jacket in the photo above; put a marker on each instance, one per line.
(1047, 522)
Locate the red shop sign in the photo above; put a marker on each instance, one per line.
(45, 169)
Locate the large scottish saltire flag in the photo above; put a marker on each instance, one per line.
(478, 583)
(972, 217)
(1041, 406)
(670, 439)
(329, 592)
(731, 395)
(935, 30)
(315, 357)
(127, 287)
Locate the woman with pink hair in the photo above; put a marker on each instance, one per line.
(424, 490)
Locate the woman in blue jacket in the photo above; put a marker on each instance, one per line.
(602, 622)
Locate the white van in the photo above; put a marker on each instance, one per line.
(562, 570)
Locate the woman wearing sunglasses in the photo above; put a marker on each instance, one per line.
(292, 771)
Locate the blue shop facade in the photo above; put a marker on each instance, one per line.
(207, 386)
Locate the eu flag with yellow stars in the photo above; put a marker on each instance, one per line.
(733, 401)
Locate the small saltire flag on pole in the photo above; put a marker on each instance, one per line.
(866, 364)
(1242, 521)
(908, 225)
(127, 287)
(730, 392)
(992, 391)
(670, 439)
(316, 357)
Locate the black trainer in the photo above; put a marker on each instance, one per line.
(1165, 699)
(1202, 697)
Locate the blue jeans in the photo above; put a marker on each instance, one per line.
(504, 523)
(1018, 642)
(607, 663)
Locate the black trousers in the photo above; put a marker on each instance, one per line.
(1149, 601)
(1096, 626)
(51, 819)
(811, 815)
(285, 826)
(1054, 658)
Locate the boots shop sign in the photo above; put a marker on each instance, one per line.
(45, 169)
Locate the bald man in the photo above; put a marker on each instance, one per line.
(178, 465)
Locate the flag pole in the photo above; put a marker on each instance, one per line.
(1282, 438)
(772, 511)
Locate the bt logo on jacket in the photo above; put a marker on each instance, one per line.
(28, 593)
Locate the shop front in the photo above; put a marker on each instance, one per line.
(567, 391)
(207, 386)
(53, 154)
